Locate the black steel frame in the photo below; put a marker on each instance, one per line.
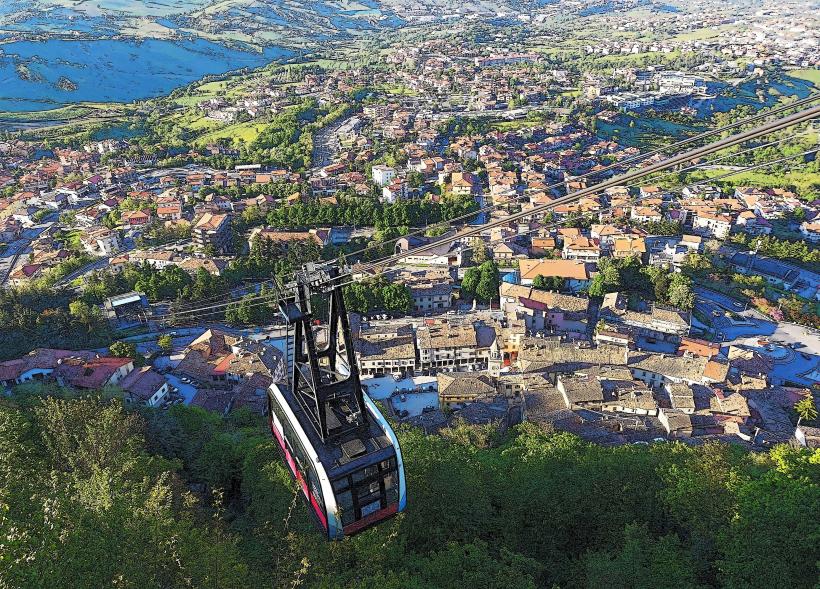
(316, 379)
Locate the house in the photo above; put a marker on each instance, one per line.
(465, 184)
(156, 259)
(643, 214)
(672, 249)
(95, 373)
(26, 272)
(442, 345)
(220, 361)
(676, 423)
(380, 356)
(627, 396)
(135, 218)
(627, 246)
(656, 322)
(544, 311)
(504, 252)
(712, 224)
(774, 271)
(697, 347)
(539, 246)
(429, 296)
(396, 191)
(552, 355)
(25, 215)
(614, 337)
(171, 211)
(810, 231)
(10, 229)
(681, 397)
(37, 365)
(657, 370)
(606, 235)
(383, 175)
(580, 390)
(213, 266)
(446, 254)
(583, 249)
(750, 223)
(574, 273)
(213, 231)
(458, 388)
(100, 241)
(145, 386)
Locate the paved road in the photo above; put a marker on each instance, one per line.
(18, 250)
(326, 145)
(95, 265)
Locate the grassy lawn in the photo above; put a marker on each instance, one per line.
(515, 125)
(812, 76)
(203, 123)
(64, 113)
(191, 100)
(398, 90)
(72, 238)
(638, 57)
(804, 182)
(246, 132)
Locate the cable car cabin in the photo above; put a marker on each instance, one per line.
(338, 445)
(351, 483)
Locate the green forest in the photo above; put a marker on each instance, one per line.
(93, 494)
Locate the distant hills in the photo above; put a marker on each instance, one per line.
(250, 22)
(253, 23)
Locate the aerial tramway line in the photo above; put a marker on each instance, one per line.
(341, 450)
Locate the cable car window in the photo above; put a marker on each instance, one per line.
(371, 508)
(341, 484)
(391, 496)
(365, 473)
(390, 480)
(345, 505)
(366, 491)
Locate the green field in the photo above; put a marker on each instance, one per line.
(806, 183)
(63, 113)
(812, 76)
(515, 125)
(246, 132)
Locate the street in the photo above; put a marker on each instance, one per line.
(17, 251)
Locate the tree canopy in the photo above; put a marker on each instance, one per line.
(184, 497)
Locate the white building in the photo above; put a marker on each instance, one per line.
(383, 175)
(101, 242)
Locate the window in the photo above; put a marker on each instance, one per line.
(367, 490)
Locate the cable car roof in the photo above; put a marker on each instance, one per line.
(345, 453)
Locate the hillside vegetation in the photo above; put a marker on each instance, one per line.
(185, 498)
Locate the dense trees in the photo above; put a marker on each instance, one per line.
(548, 282)
(371, 213)
(39, 316)
(113, 505)
(378, 295)
(654, 282)
(253, 309)
(799, 252)
(481, 282)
